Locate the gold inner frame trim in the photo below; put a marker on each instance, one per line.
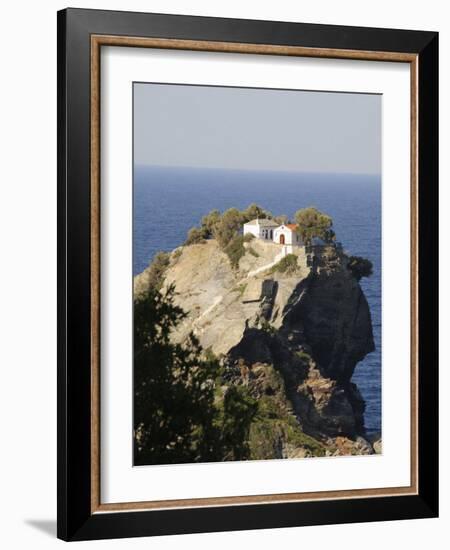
(97, 41)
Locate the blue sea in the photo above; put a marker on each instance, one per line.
(169, 201)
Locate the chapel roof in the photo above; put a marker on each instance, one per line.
(263, 222)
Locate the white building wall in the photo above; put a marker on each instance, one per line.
(273, 234)
(251, 228)
(259, 231)
(290, 237)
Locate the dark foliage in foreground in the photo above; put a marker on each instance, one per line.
(180, 412)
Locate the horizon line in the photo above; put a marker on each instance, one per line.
(270, 170)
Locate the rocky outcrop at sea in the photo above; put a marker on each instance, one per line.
(291, 332)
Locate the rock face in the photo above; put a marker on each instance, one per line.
(331, 312)
(292, 337)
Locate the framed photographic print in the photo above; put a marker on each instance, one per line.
(247, 274)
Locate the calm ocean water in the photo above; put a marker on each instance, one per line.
(169, 201)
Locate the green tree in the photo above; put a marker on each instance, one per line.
(206, 230)
(209, 222)
(313, 223)
(282, 219)
(252, 212)
(176, 417)
(230, 224)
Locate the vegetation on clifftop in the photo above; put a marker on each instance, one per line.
(226, 229)
(312, 223)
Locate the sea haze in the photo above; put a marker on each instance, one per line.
(168, 201)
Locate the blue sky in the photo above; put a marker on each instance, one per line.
(247, 128)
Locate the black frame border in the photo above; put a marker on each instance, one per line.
(75, 521)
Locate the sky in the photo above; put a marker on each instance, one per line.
(256, 129)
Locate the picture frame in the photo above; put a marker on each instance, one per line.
(81, 36)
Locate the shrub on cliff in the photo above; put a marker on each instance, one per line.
(235, 250)
(195, 236)
(176, 417)
(287, 265)
(157, 269)
(209, 222)
(274, 425)
(360, 267)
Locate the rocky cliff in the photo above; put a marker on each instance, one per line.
(290, 325)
